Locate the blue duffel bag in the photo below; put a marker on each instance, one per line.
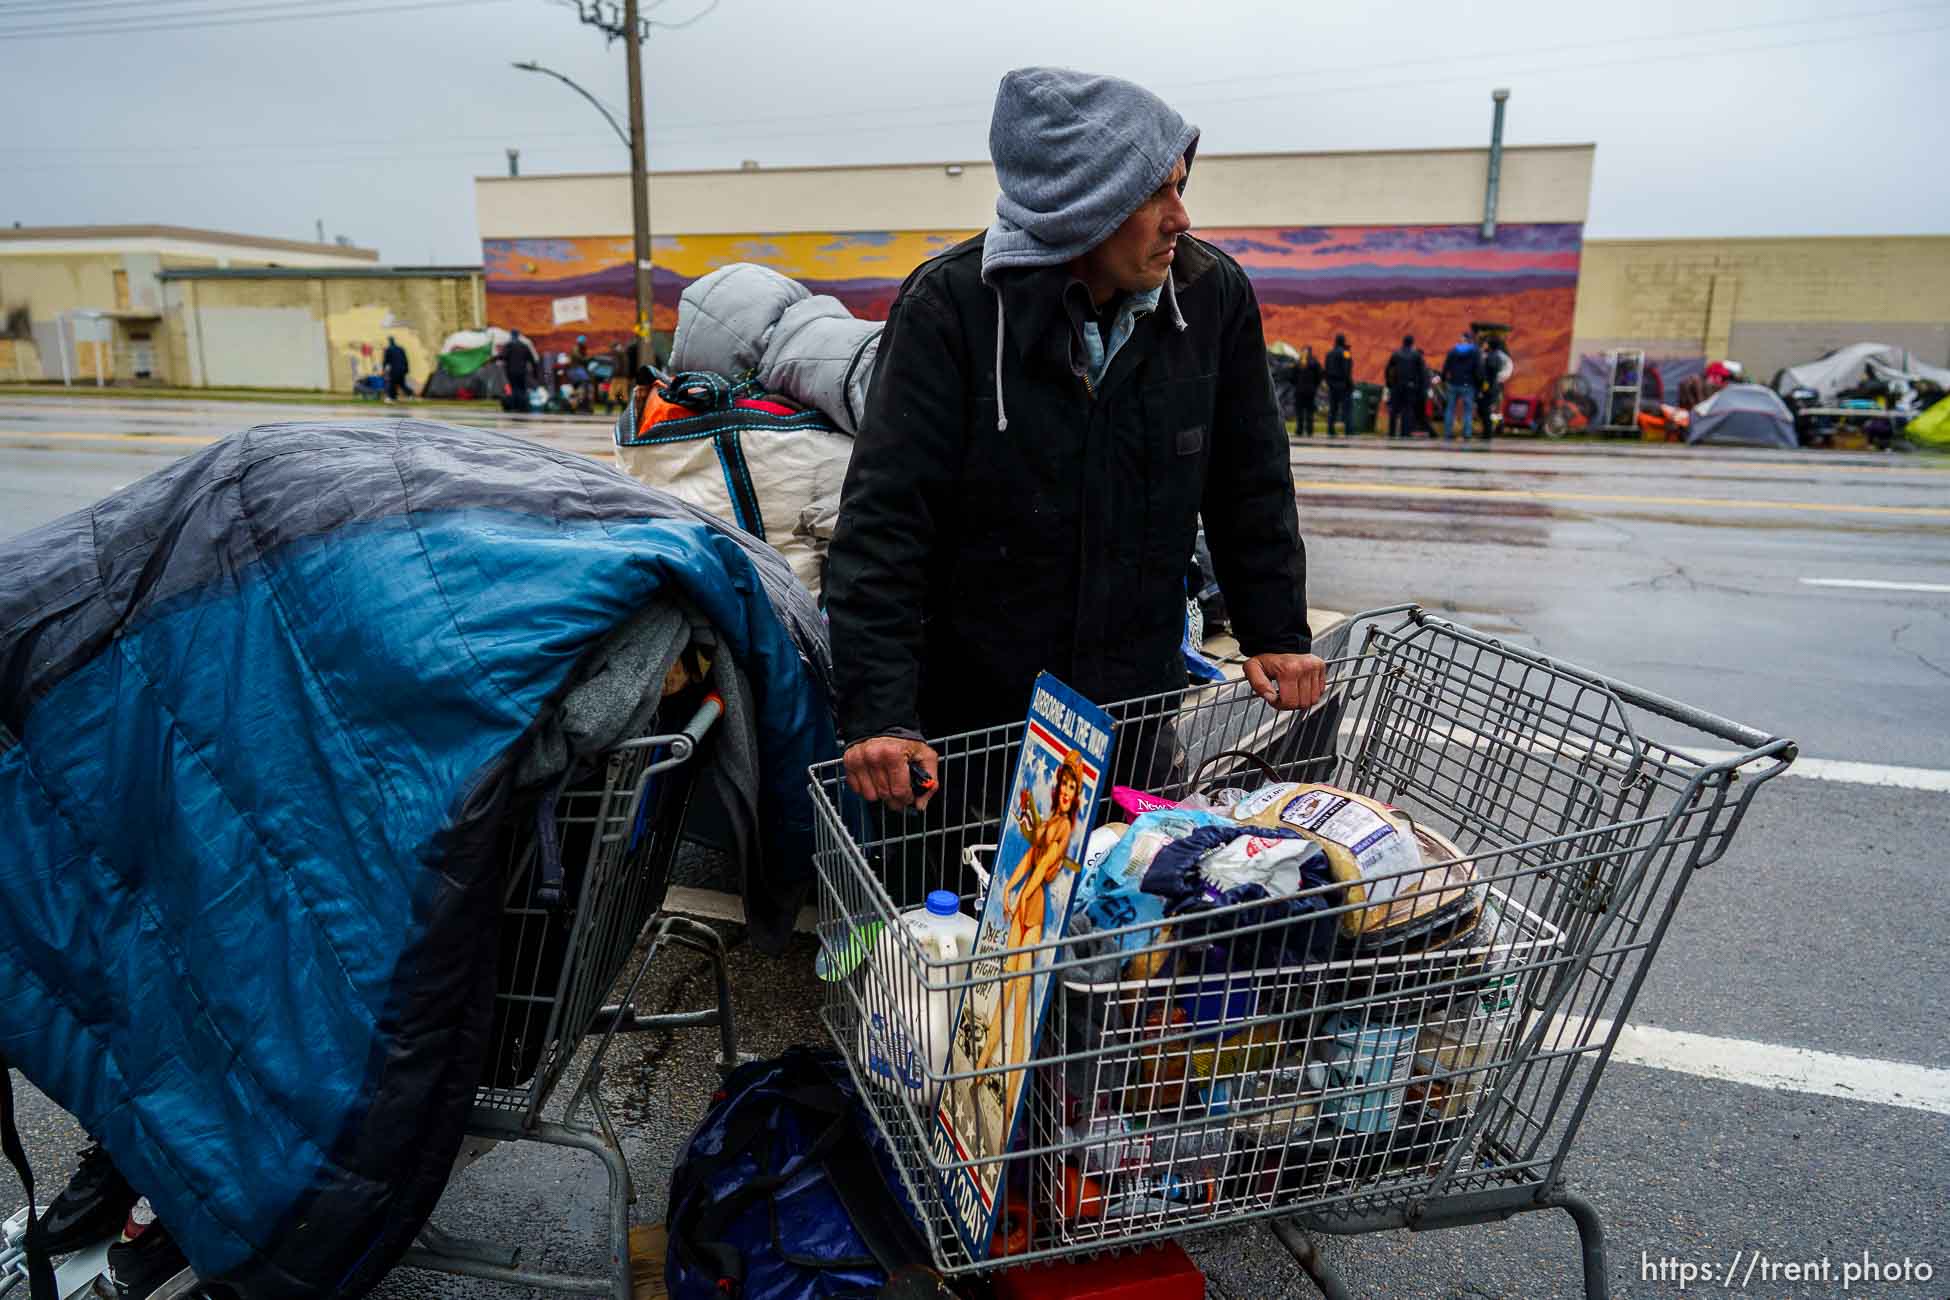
(787, 1192)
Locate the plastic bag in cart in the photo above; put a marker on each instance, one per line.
(1381, 855)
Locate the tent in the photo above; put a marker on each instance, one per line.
(1844, 368)
(1749, 415)
(1932, 428)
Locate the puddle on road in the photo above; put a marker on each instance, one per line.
(1482, 507)
(1429, 519)
(1780, 523)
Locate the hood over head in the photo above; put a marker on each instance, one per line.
(1076, 155)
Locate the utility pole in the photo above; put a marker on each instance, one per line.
(646, 299)
(623, 20)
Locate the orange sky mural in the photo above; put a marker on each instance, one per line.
(1372, 283)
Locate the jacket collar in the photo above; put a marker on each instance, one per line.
(1039, 325)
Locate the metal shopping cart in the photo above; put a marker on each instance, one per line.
(1232, 1066)
(586, 881)
(586, 873)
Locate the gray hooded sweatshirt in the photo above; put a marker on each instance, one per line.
(1075, 154)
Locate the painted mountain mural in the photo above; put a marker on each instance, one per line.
(1377, 283)
(525, 277)
(1372, 283)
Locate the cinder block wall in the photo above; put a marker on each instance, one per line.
(1764, 302)
(316, 332)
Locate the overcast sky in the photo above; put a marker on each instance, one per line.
(1712, 117)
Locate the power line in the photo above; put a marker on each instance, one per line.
(907, 122)
(268, 13)
(1549, 70)
(69, 6)
(1608, 42)
(364, 158)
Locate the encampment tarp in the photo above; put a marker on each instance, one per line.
(1846, 367)
(1933, 426)
(1748, 415)
(465, 361)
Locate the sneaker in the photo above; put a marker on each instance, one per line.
(142, 1258)
(94, 1204)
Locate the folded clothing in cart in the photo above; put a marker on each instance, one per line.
(261, 717)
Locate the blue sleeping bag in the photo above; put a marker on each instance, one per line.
(259, 718)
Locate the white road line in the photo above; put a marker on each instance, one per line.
(1784, 1069)
(1876, 584)
(1851, 773)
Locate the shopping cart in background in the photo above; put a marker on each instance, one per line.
(1241, 1063)
(587, 875)
(587, 870)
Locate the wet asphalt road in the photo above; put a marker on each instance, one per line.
(1685, 572)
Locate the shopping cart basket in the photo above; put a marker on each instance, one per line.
(586, 878)
(586, 870)
(1294, 1059)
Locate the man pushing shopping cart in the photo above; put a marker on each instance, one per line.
(1055, 403)
(1350, 946)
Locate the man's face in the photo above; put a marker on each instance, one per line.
(1138, 256)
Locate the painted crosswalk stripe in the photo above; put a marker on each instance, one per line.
(1876, 584)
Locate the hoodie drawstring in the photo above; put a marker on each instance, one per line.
(1171, 292)
(1001, 412)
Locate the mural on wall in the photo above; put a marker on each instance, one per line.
(527, 278)
(1377, 283)
(1372, 283)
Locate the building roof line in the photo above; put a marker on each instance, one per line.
(984, 162)
(191, 233)
(317, 272)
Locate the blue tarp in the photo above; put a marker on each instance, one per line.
(259, 718)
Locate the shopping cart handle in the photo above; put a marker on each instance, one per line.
(704, 719)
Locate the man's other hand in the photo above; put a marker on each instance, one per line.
(1287, 681)
(876, 770)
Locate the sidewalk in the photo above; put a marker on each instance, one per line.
(447, 411)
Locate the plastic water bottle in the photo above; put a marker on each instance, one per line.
(909, 1023)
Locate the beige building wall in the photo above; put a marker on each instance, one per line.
(1766, 303)
(52, 273)
(1407, 187)
(313, 331)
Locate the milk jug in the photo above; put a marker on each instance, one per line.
(908, 1024)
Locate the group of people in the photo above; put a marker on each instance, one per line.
(1472, 376)
(591, 377)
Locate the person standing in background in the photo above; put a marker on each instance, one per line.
(394, 364)
(1339, 373)
(1407, 378)
(1306, 391)
(522, 367)
(1490, 392)
(1462, 371)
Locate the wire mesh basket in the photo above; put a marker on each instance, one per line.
(1358, 1062)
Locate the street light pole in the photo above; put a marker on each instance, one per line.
(639, 187)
